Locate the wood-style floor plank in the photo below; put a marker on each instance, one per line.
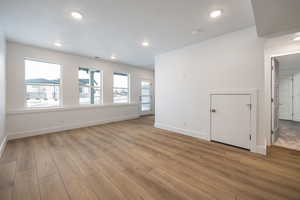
(52, 187)
(132, 160)
(7, 179)
(73, 180)
(26, 186)
(44, 162)
(26, 157)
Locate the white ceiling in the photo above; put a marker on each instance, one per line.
(119, 26)
(289, 62)
(276, 17)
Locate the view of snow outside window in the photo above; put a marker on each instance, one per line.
(42, 81)
(121, 88)
(90, 90)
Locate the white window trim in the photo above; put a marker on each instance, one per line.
(129, 87)
(60, 85)
(67, 108)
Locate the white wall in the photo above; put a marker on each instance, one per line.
(296, 99)
(290, 74)
(185, 76)
(285, 104)
(23, 122)
(2, 89)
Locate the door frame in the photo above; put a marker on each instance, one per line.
(140, 79)
(274, 100)
(274, 47)
(269, 57)
(253, 112)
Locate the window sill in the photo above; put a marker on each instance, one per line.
(66, 108)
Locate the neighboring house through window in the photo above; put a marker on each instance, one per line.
(42, 82)
(90, 86)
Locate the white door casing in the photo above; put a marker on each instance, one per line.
(231, 119)
(275, 98)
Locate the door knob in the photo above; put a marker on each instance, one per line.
(213, 110)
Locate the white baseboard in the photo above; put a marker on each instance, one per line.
(30, 133)
(3, 145)
(261, 149)
(191, 133)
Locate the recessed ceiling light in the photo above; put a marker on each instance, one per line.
(58, 44)
(215, 13)
(76, 15)
(145, 44)
(297, 38)
(113, 57)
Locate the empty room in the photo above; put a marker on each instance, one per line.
(149, 100)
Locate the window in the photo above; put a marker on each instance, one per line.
(121, 88)
(42, 82)
(146, 96)
(90, 86)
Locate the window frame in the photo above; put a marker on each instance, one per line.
(129, 87)
(60, 103)
(90, 86)
(150, 95)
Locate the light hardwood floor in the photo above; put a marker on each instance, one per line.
(132, 160)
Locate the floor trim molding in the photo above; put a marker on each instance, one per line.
(3, 145)
(261, 149)
(12, 136)
(191, 133)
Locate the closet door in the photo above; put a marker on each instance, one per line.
(231, 119)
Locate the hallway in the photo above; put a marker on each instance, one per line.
(289, 135)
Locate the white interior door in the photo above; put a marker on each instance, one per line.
(296, 99)
(286, 98)
(231, 119)
(146, 97)
(275, 99)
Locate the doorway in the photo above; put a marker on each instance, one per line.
(286, 101)
(146, 97)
